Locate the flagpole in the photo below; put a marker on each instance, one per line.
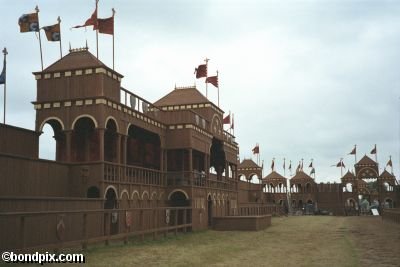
(5, 83)
(40, 39)
(218, 88)
(355, 154)
(113, 13)
(97, 31)
(341, 167)
(284, 167)
(59, 23)
(206, 60)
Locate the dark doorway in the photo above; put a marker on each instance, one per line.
(179, 199)
(217, 157)
(111, 219)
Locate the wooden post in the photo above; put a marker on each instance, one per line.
(184, 219)
(176, 221)
(84, 231)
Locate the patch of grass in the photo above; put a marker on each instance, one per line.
(290, 241)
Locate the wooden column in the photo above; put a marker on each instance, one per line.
(124, 144)
(68, 144)
(100, 132)
(118, 150)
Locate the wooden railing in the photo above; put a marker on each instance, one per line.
(259, 209)
(52, 230)
(199, 179)
(133, 175)
(139, 104)
(392, 215)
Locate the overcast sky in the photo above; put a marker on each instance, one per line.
(305, 79)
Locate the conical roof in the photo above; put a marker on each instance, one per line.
(301, 175)
(386, 174)
(248, 163)
(189, 95)
(274, 176)
(348, 176)
(366, 161)
(77, 59)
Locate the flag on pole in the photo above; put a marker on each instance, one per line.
(354, 151)
(389, 163)
(213, 80)
(233, 123)
(227, 119)
(3, 73)
(201, 71)
(105, 26)
(340, 164)
(256, 149)
(298, 167)
(290, 166)
(312, 171)
(29, 22)
(373, 151)
(311, 165)
(284, 164)
(92, 21)
(272, 165)
(53, 32)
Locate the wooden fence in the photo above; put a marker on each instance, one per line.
(53, 230)
(392, 215)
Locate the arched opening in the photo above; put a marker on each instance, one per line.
(309, 207)
(254, 178)
(349, 187)
(387, 187)
(143, 148)
(299, 188)
(93, 192)
(85, 141)
(217, 157)
(52, 141)
(272, 188)
(300, 204)
(179, 199)
(242, 177)
(111, 219)
(110, 141)
(209, 210)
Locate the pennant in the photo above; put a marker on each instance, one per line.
(311, 165)
(233, 123)
(298, 167)
(272, 165)
(53, 33)
(3, 74)
(256, 150)
(284, 164)
(340, 164)
(201, 71)
(92, 21)
(354, 151)
(389, 163)
(373, 151)
(312, 171)
(105, 26)
(227, 119)
(213, 80)
(290, 166)
(29, 23)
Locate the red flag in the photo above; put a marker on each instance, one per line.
(213, 80)
(272, 165)
(201, 71)
(373, 151)
(233, 123)
(227, 119)
(354, 151)
(90, 21)
(311, 165)
(53, 33)
(256, 150)
(105, 26)
(29, 22)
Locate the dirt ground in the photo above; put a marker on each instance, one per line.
(377, 243)
(290, 241)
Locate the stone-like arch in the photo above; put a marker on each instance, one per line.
(178, 190)
(135, 193)
(124, 191)
(84, 116)
(115, 121)
(112, 187)
(49, 119)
